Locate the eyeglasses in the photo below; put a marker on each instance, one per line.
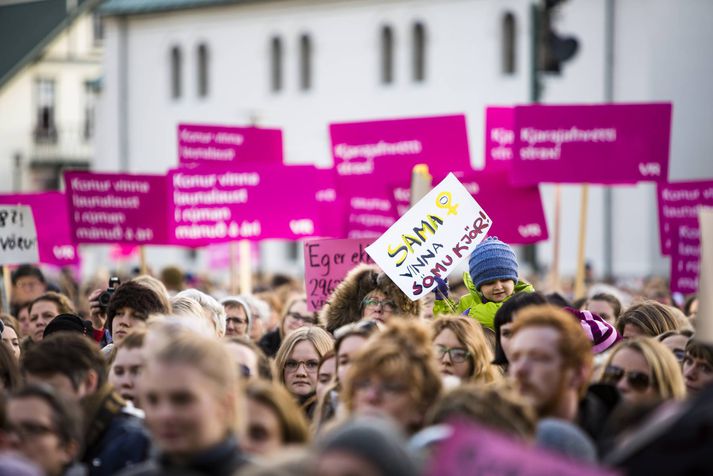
(458, 355)
(386, 305)
(311, 366)
(236, 320)
(303, 319)
(638, 381)
(27, 429)
(680, 354)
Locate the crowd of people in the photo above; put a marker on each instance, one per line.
(151, 376)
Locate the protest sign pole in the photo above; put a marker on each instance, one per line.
(555, 271)
(421, 182)
(143, 267)
(579, 289)
(6, 289)
(704, 321)
(246, 275)
(233, 259)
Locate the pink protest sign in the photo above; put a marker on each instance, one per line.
(679, 203)
(327, 262)
(604, 144)
(117, 208)
(499, 137)
(475, 450)
(517, 213)
(254, 202)
(202, 143)
(685, 258)
(55, 243)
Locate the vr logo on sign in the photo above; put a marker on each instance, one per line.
(527, 231)
(63, 252)
(302, 227)
(651, 169)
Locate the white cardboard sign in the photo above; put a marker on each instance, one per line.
(436, 234)
(18, 236)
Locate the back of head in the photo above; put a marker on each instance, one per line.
(651, 317)
(373, 441)
(292, 421)
(567, 439)
(68, 323)
(496, 407)
(211, 308)
(65, 353)
(492, 259)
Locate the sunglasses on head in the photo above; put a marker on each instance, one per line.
(638, 381)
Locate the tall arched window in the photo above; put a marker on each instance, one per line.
(419, 52)
(509, 41)
(176, 67)
(202, 64)
(387, 54)
(276, 54)
(305, 62)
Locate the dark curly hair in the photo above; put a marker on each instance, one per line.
(137, 297)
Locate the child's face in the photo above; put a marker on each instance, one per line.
(498, 290)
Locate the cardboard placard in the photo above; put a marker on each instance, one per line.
(49, 209)
(678, 204)
(205, 144)
(436, 234)
(596, 144)
(327, 262)
(117, 208)
(472, 449)
(18, 236)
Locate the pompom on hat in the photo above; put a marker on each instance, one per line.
(602, 334)
(492, 259)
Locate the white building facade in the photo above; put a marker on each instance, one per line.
(300, 65)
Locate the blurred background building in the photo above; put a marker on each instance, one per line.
(301, 64)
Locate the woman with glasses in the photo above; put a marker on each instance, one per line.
(395, 376)
(296, 315)
(644, 370)
(366, 293)
(297, 363)
(462, 349)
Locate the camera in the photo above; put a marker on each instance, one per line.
(105, 297)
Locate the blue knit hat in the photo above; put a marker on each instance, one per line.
(492, 259)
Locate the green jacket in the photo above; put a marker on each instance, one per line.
(483, 311)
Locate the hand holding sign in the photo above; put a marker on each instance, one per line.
(18, 237)
(431, 239)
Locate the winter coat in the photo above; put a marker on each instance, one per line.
(344, 305)
(473, 302)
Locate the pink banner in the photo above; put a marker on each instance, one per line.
(517, 213)
(212, 205)
(117, 208)
(603, 144)
(499, 137)
(475, 450)
(202, 143)
(685, 258)
(678, 204)
(55, 243)
(327, 262)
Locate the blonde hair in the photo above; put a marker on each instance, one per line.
(470, 334)
(318, 337)
(291, 419)
(403, 352)
(667, 379)
(176, 345)
(652, 317)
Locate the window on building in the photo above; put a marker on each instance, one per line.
(203, 64)
(91, 96)
(508, 43)
(97, 27)
(276, 54)
(387, 55)
(305, 62)
(45, 127)
(176, 68)
(419, 52)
